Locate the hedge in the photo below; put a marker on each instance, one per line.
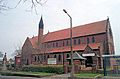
(47, 69)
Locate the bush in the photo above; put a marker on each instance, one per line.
(47, 69)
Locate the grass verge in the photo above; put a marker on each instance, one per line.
(26, 74)
(88, 75)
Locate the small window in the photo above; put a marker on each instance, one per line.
(74, 41)
(88, 41)
(59, 58)
(56, 44)
(44, 57)
(67, 43)
(82, 40)
(63, 43)
(93, 40)
(78, 41)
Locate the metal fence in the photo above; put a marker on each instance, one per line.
(111, 65)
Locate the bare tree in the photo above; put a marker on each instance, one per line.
(3, 6)
(33, 4)
(16, 52)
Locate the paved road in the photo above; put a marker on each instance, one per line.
(64, 76)
(16, 77)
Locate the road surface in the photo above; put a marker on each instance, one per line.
(17, 77)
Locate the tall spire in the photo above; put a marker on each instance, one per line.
(41, 24)
(107, 18)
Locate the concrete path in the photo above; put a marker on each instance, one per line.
(63, 76)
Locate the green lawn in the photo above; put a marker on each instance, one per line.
(87, 75)
(32, 74)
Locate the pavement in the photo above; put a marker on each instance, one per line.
(63, 76)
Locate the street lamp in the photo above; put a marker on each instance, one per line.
(72, 64)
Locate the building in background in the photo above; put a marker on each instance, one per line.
(90, 41)
(17, 61)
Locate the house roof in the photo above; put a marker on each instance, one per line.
(82, 30)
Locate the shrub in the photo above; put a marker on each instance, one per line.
(47, 69)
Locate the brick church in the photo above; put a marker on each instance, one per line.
(90, 42)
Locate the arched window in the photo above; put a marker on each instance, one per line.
(44, 57)
(59, 58)
(93, 40)
(74, 41)
(67, 43)
(88, 41)
(63, 43)
(82, 40)
(53, 44)
(78, 41)
(56, 44)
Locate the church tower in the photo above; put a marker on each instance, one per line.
(40, 32)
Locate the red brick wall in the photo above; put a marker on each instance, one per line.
(27, 50)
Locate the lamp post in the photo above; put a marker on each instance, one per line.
(72, 64)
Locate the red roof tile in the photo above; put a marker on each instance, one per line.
(82, 30)
(94, 45)
(34, 41)
(75, 48)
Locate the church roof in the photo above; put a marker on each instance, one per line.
(82, 30)
(34, 41)
(80, 47)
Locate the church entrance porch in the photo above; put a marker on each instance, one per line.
(88, 61)
(92, 62)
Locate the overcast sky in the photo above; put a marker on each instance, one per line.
(18, 24)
